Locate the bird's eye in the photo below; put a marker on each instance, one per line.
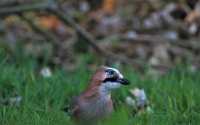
(110, 72)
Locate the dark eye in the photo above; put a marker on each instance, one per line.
(110, 72)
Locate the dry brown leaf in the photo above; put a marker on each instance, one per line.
(109, 6)
(192, 16)
(49, 22)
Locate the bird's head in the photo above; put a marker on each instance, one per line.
(108, 78)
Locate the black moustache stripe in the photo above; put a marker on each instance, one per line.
(110, 80)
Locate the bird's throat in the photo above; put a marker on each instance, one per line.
(104, 92)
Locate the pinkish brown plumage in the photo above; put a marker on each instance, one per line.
(95, 102)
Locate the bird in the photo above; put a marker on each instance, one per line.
(95, 103)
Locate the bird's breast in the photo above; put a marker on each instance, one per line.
(96, 108)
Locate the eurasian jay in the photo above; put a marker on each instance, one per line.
(95, 102)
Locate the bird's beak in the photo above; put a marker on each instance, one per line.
(123, 81)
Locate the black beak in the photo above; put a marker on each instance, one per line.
(123, 81)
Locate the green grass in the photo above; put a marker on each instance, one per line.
(174, 98)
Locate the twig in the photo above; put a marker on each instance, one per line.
(24, 8)
(68, 20)
(8, 3)
(154, 39)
